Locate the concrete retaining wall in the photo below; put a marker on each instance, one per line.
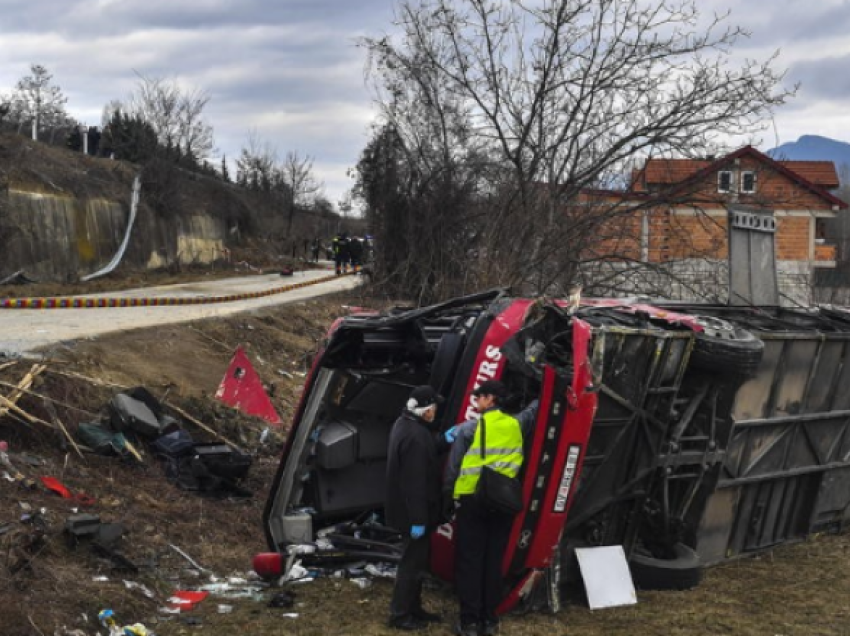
(62, 238)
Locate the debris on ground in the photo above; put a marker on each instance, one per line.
(242, 389)
(798, 589)
(18, 278)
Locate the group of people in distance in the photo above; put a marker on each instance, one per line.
(349, 252)
(422, 493)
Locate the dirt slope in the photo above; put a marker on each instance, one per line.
(49, 584)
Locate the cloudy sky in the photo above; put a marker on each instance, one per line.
(289, 70)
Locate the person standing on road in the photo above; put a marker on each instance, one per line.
(341, 256)
(482, 535)
(413, 501)
(355, 249)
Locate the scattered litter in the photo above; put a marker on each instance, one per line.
(132, 585)
(12, 474)
(296, 572)
(225, 609)
(100, 578)
(186, 600)
(18, 278)
(381, 570)
(362, 583)
(290, 615)
(54, 485)
(188, 558)
(242, 389)
(107, 619)
(237, 590)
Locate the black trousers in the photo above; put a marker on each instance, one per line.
(482, 538)
(407, 594)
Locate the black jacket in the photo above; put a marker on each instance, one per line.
(413, 474)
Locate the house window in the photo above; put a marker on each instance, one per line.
(748, 182)
(724, 181)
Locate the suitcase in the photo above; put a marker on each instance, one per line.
(223, 461)
(129, 413)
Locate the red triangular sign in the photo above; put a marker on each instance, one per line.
(242, 389)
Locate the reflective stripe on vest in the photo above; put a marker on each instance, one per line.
(503, 453)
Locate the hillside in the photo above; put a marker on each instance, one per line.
(64, 215)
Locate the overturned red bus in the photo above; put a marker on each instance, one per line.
(687, 434)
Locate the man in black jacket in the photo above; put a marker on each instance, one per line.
(413, 501)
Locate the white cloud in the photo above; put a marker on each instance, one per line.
(287, 69)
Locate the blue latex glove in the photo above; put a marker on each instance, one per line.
(417, 532)
(451, 434)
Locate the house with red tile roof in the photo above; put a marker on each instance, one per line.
(679, 223)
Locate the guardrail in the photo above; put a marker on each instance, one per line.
(96, 302)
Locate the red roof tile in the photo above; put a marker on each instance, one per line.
(816, 176)
(667, 171)
(821, 173)
(660, 171)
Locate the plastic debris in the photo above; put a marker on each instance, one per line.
(239, 588)
(296, 573)
(381, 570)
(107, 619)
(188, 558)
(132, 585)
(362, 583)
(185, 600)
(225, 609)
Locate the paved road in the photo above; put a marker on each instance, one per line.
(23, 330)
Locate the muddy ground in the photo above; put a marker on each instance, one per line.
(51, 585)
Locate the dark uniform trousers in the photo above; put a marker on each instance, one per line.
(482, 537)
(407, 593)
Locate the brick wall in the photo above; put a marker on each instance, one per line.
(685, 244)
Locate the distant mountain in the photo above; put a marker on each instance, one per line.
(814, 148)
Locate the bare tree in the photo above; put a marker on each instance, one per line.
(175, 113)
(551, 99)
(300, 185)
(39, 103)
(255, 167)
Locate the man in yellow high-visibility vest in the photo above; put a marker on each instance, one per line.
(482, 535)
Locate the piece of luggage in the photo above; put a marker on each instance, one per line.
(223, 461)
